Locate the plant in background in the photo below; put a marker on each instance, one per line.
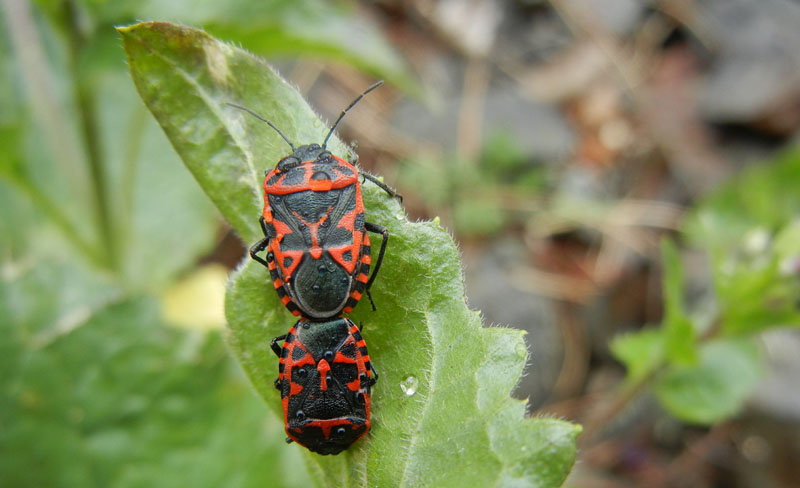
(498, 189)
(703, 362)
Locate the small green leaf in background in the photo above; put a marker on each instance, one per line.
(716, 387)
(641, 352)
(442, 411)
(679, 330)
(763, 196)
(749, 228)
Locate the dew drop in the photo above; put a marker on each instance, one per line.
(317, 123)
(409, 385)
(522, 350)
(400, 216)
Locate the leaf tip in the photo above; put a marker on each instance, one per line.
(126, 30)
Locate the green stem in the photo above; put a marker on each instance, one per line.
(47, 111)
(56, 217)
(130, 159)
(90, 132)
(593, 429)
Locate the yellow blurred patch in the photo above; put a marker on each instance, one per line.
(198, 300)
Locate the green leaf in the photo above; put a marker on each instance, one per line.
(459, 424)
(756, 298)
(479, 217)
(787, 247)
(716, 387)
(641, 352)
(679, 336)
(186, 78)
(763, 195)
(278, 28)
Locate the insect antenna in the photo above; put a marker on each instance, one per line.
(259, 117)
(352, 104)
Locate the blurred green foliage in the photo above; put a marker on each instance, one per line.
(497, 189)
(703, 361)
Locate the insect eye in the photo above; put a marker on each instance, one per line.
(287, 163)
(302, 372)
(328, 356)
(340, 431)
(300, 415)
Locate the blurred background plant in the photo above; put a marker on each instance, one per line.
(606, 168)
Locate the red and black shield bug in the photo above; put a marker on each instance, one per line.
(325, 377)
(315, 232)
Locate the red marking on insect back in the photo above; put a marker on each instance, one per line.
(295, 389)
(320, 185)
(342, 359)
(313, 230)
(282, 230)
(306, 360)
(347, 221)
(337, 253)
(327, 425)
(285, 403)
(346, 177)
(323, 367)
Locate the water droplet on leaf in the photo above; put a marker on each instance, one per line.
(409, 385)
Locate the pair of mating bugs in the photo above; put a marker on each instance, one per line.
(319, 256)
